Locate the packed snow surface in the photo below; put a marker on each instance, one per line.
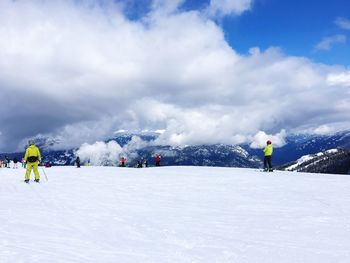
(174, 214)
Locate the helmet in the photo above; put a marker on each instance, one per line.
(268, 142)
(30, 142)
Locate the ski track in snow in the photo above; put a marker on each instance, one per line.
(173, 214)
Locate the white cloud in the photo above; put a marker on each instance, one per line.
(78, 74)
(110, 153)
(342, 78)
(100, 153)
(342, 23)
(323, 130)
(328, 42)
(259, 140)
(166, 6)
(134, 144)
(220, 8)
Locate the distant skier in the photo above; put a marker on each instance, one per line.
(6, 162)
(15, 161)
(157, 160)
(23, 163)
(77, 161)
(32, 157)
(122, 162)
(267, 156)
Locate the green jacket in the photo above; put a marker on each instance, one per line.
(268, 150)
(32, 150)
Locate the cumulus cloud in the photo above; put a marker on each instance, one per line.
(342, 78)
(260, 139)
(342, 23)
(100, 153)
(78, 72)
(220, 8)
(109, 153)
(323, 129)
(166, 6)
(327, 42)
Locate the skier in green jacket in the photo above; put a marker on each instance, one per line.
(267, 156)
(32, 157)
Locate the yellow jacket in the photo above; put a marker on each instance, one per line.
(32, 150)
(268, 150)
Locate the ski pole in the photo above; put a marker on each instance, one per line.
(44, 173)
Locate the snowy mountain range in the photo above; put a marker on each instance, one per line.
(204, 155)
(212, 155)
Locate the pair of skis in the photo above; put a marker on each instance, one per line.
(27, 182)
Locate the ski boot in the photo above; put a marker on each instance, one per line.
(37, 180)
(26, 181)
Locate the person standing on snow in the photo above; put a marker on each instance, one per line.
(157, 160)
(15, 161)
(32, 157)
(23, 163)
(122, 162)
(77, 161)
(267, 156)
(6, 162)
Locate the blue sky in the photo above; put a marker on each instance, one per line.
(296, 26)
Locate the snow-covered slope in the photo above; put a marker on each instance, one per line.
(174, 214)
(330, 161)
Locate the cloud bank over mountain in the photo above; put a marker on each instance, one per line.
(79, 71)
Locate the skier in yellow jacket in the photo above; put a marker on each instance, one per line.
(32, 157)
(267, 156)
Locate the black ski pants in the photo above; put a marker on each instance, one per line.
(267, 162)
